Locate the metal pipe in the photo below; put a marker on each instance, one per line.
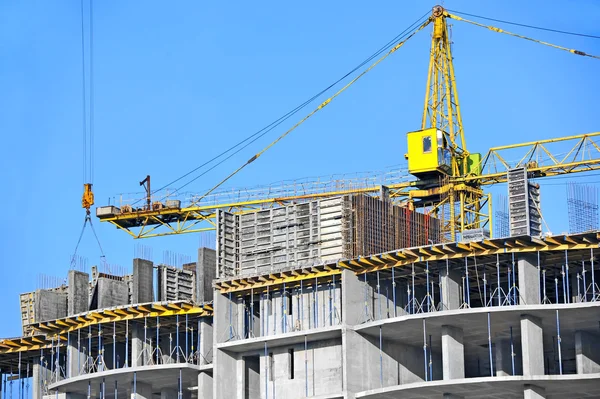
(427, 284)
(176, 339)
(413, 288)
(366, 299)
(378, 293)
(556, 288)
(187, 338)
(592, 270)
(394, 291)
(305, 365)
(57, 358)
(330, 304)
(267, 370)
(116, 390)
(468, 292)
(490, 344)
(430, 360)
(512, 351)
(89, 391)
(67, 360)
(134, 385)
(514, 280)
(539, 276)
(180, 390)
(126, 343)
(157, 338)
(584, 282)
(198, 347)
(498, 278)
(564, 286)
(558, 340)
(425, 351)
(114, 345)
(316, 304)
(334, 294)
(567, 271)
(19, 375)
(230, 318)
(90, 358)
(100, 353)
(251, 312)
(381, 356)
(301, 305)
(103, 388)
(484, 291)
(284, 306)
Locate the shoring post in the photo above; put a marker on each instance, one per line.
(176, 338)
(134, 385)
(180, 386)
(251, 313)
(267, 370)
(301, 306)
(285, 310)
(100, 353)
(556, 288)
(427, 283)
(484, 290)
(394, 291)
(467, 281)
(89, 390)
(381, 356)
(116, 390)
(114, 336)
(567, 272)
(430, 360)
(413, 288)
(67, 360)
(512, 351)
(558, 341)
(157, 339)
(379, 293)
(316, 304)
(305, 365)
(498, 278)
(539, 269)
(230, 318)
(565, 295)
(127, 344)
(425, 351)
(593, 278)
(584, 281)
(198, 347)
(187, 337)
(79, 351)
(489, 326)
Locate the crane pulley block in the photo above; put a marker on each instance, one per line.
(88, 197)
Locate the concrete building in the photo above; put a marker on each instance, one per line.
(514, 317)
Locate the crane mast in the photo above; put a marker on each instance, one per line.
(437, 154)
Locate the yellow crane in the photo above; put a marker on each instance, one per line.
(449, 179)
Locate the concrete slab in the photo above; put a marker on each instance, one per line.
(292, 338)
(557, 386)
(158, 377)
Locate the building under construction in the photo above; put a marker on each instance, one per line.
(387, 288)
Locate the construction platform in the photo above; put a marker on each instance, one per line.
(513, 317)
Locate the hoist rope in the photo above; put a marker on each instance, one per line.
(494, 29)
(526, 25)
(85, 222)
(320, 107)
(260, 133)
(83, 96)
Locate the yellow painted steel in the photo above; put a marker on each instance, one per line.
(403, 257)
(455, 192)
(88, 197)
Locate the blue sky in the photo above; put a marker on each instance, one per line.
(178, 82)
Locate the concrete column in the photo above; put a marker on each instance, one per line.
(503, 357)
(529, 280)
(206, 269)
(140, 350)
(142, 391)
(225, 370)
(532, 345)
(168, 393)
(142, 289)
(453, 354)
(587, 352)
(206, 342)
(78, 294)
(76, 358)
(533, 392)
(40, 374)
(222, 316)
(352, 299)
(205, 386)
(450, 286)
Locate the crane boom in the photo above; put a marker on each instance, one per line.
(449, 179)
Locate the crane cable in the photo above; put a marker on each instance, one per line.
(88, 146)
(260, 133)
(493, 28)
(526, 25)
(320, 107)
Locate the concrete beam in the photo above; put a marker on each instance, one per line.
(78, 293)
(142, 289)
(453, 353)
(529, 280)
(534, 392)
(532, 345)
(587, 352)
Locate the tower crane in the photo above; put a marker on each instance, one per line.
(449, 179)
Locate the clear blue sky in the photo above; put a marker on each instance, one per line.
(177, 82)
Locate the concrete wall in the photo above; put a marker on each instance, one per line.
(50, 305)
(78, 293)
(206, 269)
(315, 371)
(143, 281)
(111, 293)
